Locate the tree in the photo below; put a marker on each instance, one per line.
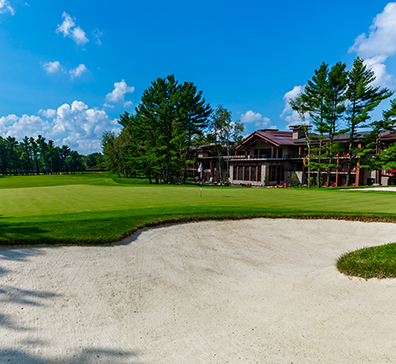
(297, 104)
(26, 155)
(157, 140)
(226, 132)
(313, 97)
(375, 155)
(195, 114)
(362, 98)
(334, 112)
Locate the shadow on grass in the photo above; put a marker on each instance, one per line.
(8, 231)
(85, 356)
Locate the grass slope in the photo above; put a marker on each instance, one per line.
(373, 262)
(100, 208)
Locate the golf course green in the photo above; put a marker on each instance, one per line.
(99, 208)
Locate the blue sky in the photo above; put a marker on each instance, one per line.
(68, 69)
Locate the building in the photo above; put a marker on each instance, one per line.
(271, 157)
(211, 165)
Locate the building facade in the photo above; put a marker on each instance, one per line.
(270, 157)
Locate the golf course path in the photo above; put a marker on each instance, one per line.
(247, 291)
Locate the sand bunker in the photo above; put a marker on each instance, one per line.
(249, 291)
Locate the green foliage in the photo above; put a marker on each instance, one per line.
(330, 97)
(156, 142)
(226, 133)
(293, 179)
(34, 156)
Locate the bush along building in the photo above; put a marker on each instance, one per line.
(269, 157)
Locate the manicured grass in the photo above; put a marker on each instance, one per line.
(373, 262)
(101, 208)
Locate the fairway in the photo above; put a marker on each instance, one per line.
(247, 291)
(99, 208)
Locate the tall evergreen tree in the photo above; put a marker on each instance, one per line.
(334, 112)
(314, 99)
(362, 98)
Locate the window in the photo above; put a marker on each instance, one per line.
(265, 153)
(234, 172)
(240, 173)
(259, 174)
(246, 176)
(253, 176)
(280, 153)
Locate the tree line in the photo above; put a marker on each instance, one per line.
(339, 102)
(157, 141)
(35, 156)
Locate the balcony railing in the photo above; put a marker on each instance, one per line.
(263, 156)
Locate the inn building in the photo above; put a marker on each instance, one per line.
(269, 157)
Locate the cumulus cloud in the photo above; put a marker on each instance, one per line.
(379, 44)
(52, 67)
(259, 121)
(118, 94)
(75, 125)
(288, 114)
(6, 7)
(49, 113)
(127, 103)
(78, 71)
(18, 127)
(68, 29)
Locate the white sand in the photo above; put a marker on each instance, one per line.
(388, 189)
(249, 291)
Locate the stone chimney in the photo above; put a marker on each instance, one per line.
(297, 131)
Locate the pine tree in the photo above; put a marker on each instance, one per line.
(313, 98)
(334, 112)
(362, 98)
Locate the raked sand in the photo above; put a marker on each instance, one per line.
(248, 291)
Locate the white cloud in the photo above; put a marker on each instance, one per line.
(68, 29)
(118, 94)
(127, 103)
(382, 35)
(382, 77)
(288, 114)
(97, 34)
(27, 125)
(259, 121)
(52, 67)
(5, 6)
(78, 71)
(379, 44)
(75, 125)
(49, 113)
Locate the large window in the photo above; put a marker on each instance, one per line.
(273, 171)
(265, 153)
(253, 174)
(280, 153)
(246, 176)
(259, 173)
(240, 173)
